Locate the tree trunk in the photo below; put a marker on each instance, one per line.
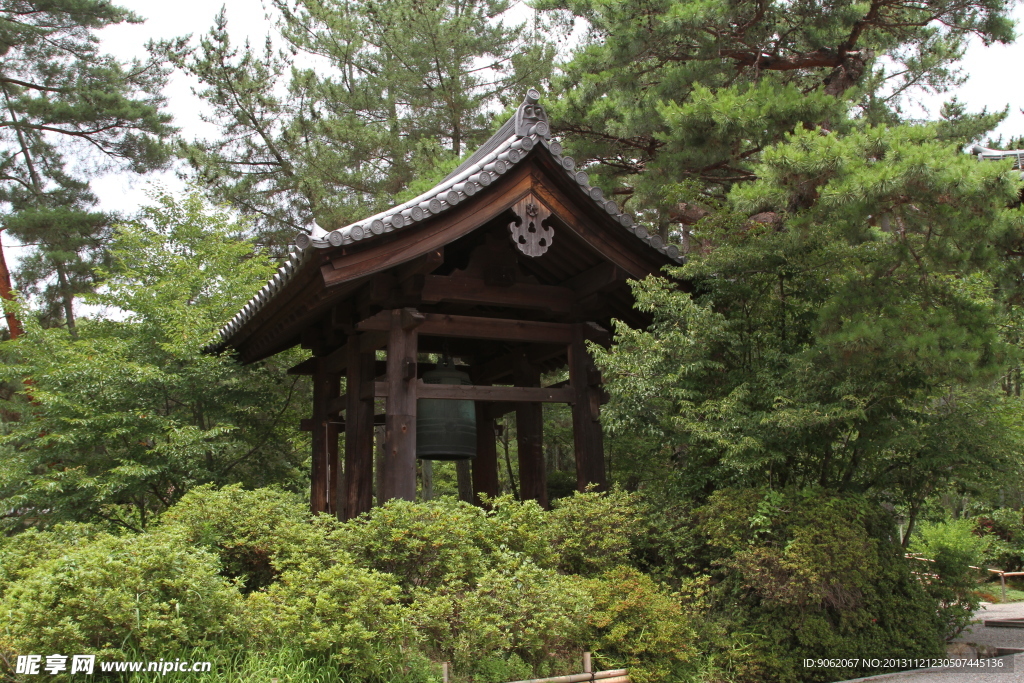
(13, 324)
(67, 299)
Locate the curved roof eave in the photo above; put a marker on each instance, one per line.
(510, 145)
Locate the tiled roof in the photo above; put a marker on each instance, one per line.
(514, 141)
(986, 154)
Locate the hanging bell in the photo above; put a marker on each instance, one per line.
(445, 429)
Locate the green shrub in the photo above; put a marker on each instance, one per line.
(516, 607)
(444, 542)
(256, 534)
(348, 614)
(637, 624)
(143, 592)
(956, 536)
(22, 553)
(1006, 526)
(521, 527)
(808, 573)
(593, 532)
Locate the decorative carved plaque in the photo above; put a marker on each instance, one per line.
(529, 233)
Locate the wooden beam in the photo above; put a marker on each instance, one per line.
(306, 367)
(588, 439)
(596, 279)
(502, 366)
(455, 392)
(533, 480)
(337, 360)
(427, 263)
(399, 476)
(471, 290)
(336, 405)
(358, 435)
(472, 327)
(306, 423)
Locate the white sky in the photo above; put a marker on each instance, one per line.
(992, 81)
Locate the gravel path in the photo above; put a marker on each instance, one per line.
(978, 634)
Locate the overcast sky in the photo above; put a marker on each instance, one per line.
(994, 75)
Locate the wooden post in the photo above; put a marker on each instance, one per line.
(358, 432)
(379, 462)
(588, 439)
(399, 480)
(533, 476)
(464, 480)
(485, 464)
(326, 385)
(427, 472)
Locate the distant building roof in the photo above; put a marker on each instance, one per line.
(986, 154)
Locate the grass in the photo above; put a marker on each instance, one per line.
(284, 665)
(993, 593)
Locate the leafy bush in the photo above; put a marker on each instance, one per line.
(806, 573)
(953, 586)
(516, 607)
(957, 536)
(148, 592)
(348, 614)
(1007, 527)
(445, 542)
(639, 625)
(21, 554)
(593, 532)
(256, 534)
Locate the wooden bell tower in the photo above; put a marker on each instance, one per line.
(512, 264)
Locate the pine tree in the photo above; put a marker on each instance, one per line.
(65, 101)
(398, 90)
(665, 92)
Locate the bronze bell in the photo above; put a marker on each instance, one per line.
(445, 429)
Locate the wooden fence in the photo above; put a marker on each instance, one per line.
(1002, 574)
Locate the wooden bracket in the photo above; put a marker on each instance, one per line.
(412, 318)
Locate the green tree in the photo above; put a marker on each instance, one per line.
(121, 422)
(65, 101)
(397, 90)
(851, 342)
(667, 91)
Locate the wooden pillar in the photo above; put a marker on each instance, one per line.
(427, 475)
(485, 464)
(533, 476)
(464, 480)
(399, 476)
(588, 439)
(358, 432)
(326, 386)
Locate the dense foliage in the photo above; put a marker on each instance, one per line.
(367, 98)
(121, 421)
(830, 381)
(507, 593)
